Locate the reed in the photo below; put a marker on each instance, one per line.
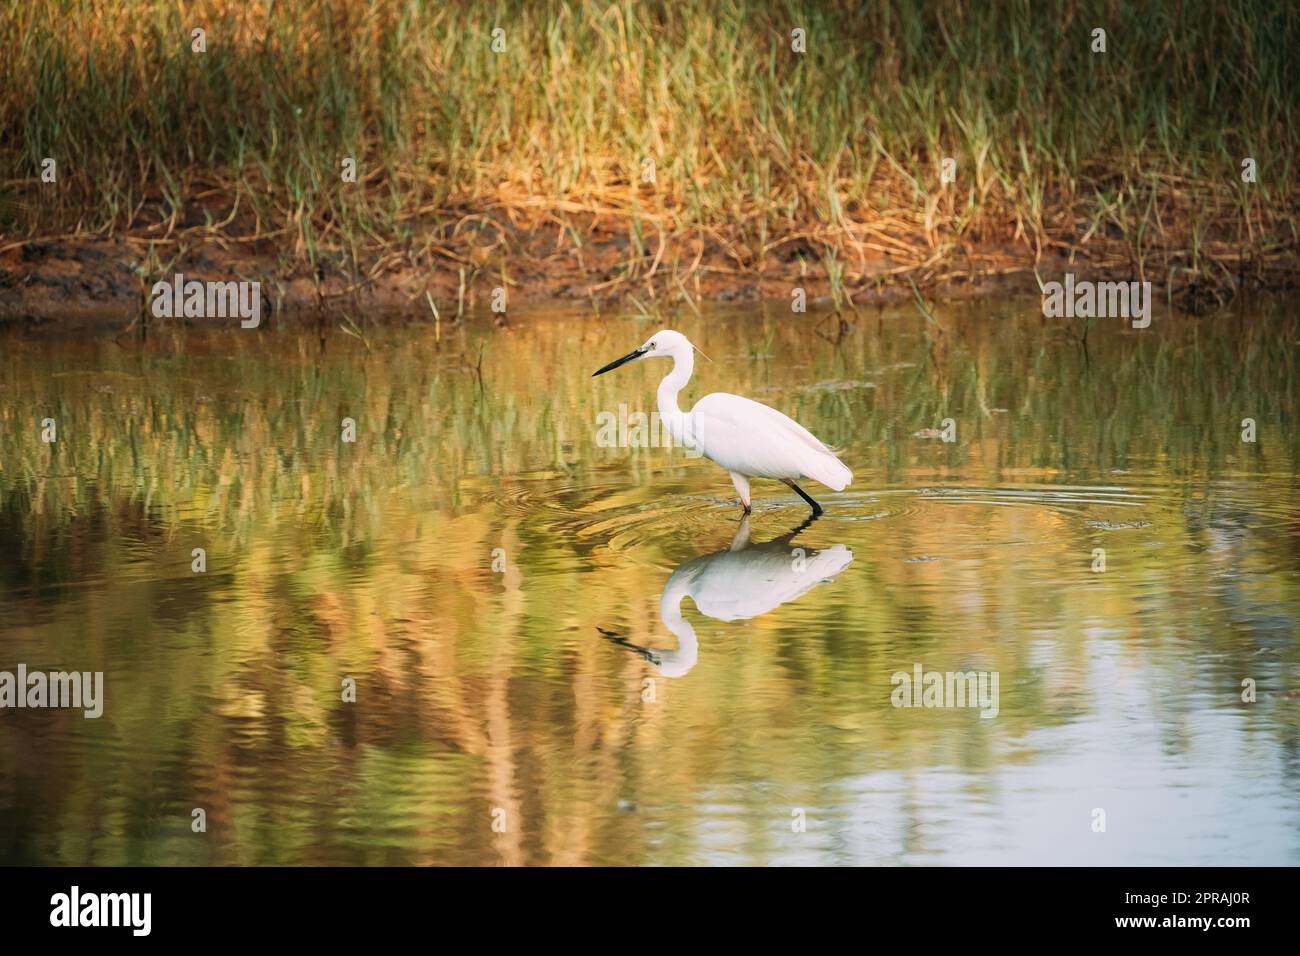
(1132, 157)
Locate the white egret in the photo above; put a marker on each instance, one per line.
(745, 437)
(743, 582)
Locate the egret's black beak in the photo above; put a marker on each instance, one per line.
(634, 354)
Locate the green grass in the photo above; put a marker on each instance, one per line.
(1135, 153)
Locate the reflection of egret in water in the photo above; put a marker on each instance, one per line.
(744, 581)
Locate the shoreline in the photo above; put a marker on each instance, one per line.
(651, 155)
(97, 280)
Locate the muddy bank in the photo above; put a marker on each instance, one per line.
(485, 261)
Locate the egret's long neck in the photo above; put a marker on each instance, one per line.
(677, 662)
(674, 382)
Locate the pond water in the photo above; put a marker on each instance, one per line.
(570, 653)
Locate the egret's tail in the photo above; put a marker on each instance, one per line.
(831, 472)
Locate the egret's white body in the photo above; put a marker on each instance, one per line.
(747, 438)
(734, 585)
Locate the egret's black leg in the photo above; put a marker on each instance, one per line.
(742, 488)
(816, 508)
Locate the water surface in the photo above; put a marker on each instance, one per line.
(585, 646)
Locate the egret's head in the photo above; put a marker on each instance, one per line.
(665, 344)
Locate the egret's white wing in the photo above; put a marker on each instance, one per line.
(753, 439)
(739, 585)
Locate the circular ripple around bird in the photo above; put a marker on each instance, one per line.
(644, 529)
